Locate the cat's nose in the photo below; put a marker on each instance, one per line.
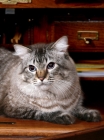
(41, 74)
(41, 78)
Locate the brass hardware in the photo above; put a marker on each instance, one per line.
(87, 40)
(14, 1)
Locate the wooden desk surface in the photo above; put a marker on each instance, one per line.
(23, 127)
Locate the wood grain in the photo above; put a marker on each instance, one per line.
(70, 28)
(39, 128)
(56, 4)
(91, 134)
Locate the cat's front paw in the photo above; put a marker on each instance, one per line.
(64, 119)
(92, 116)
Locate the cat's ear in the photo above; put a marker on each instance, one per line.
(21, 50)
(61, 44)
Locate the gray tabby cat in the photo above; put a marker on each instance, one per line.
(41, 83)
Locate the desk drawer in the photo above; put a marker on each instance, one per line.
(83, 36)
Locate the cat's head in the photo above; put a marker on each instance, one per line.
(44, 64)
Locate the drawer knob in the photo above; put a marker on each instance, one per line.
(93, 35)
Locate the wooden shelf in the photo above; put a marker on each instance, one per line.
(57, 4)
(32, 128)
(92, 78)
(94, 133)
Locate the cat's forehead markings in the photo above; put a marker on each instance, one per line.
(40, 51)
(40, 55)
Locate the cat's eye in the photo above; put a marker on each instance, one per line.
(51, 65)
(32, 68)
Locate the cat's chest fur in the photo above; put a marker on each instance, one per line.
(37, 99)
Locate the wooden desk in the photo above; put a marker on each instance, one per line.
(30, 129)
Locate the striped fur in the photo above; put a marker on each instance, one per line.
(40, 82)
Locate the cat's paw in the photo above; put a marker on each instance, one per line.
(92, 116)
(55, 117)
(64, 119)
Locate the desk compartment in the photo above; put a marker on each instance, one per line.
(83, 36)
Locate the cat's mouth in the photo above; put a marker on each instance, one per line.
(44, 83)
(41, 83)
(43, 86)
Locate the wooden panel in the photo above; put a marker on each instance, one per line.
(92, 134)
(71, 28)
(23, 127)
(20, 138)
(57, 4)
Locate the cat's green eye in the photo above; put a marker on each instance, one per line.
(51, 65)
(32, 68)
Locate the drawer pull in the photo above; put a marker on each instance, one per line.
(88, 40)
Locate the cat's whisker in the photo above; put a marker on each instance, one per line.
(52, 80)
(34, 81)
(60, 92)
(58, 88)
(51, 77)
(62, 88)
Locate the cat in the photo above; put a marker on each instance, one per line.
(40, 82)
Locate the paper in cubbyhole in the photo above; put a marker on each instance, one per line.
(9, 11)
